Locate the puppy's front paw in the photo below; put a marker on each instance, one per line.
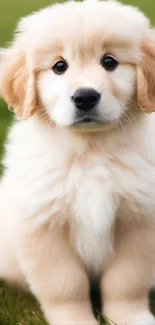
(145, 318)
(70, 314)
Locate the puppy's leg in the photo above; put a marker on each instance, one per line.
(127, 280)
(9, 266)
(55, 276)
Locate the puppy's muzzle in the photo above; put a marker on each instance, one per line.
(85, 99)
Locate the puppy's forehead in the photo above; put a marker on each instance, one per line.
(82, 24)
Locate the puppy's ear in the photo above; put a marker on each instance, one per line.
(17, 83)
(146, 78)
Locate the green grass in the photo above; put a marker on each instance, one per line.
(17, 308)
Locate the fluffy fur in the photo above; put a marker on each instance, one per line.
(75, 205)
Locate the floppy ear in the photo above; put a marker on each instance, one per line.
(17, 83)
(146, 78)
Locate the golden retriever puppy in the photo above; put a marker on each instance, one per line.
(77, 198)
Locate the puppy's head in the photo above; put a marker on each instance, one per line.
(81, 63)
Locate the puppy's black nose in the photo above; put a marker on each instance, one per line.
(85, 98)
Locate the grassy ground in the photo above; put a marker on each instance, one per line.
(17, 308)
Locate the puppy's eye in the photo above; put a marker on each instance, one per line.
(60, 67)
(109, 63)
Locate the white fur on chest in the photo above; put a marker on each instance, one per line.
(60, 178)
(81, 194)
(95, 210)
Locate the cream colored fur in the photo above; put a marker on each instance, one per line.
(78, 204)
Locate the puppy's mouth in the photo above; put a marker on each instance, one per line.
(87, 120)
(91, 124)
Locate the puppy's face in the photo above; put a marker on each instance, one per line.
(88, 76)
(84, 61)
(86, 83)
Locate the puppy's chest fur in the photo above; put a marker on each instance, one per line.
(79, 192)
(93, 211)
(84, 191)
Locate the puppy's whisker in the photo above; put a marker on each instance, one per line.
(46, 119)
(42, 109)
(127, 119)
(44, 114)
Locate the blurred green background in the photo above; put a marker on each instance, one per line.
(12, 10)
